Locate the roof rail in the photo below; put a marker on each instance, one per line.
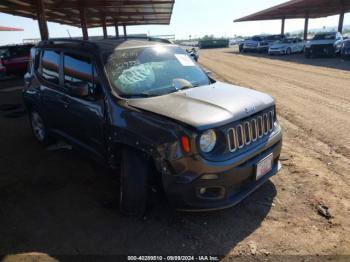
(66, 40)
(87, 42)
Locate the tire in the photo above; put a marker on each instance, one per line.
(134, 177)
(39, 129)
(288, 51)
(307, 53)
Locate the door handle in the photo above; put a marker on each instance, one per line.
(64, 102)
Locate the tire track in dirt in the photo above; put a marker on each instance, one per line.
(312, 109)
(315, 119)
(278, 72)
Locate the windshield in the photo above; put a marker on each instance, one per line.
(274, 37)
(152, 71)
(257, 38)
(287, 41)
(324, 37)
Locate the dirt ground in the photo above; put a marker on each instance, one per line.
(59, 203)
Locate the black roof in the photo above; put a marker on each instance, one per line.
(107, 45)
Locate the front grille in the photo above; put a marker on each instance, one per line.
(322, 49)
(251, 45)
(250, 130)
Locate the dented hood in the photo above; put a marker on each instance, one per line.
(206, 106)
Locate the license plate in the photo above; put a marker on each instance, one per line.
(264, 166)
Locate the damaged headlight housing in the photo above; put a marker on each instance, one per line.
(207, 141)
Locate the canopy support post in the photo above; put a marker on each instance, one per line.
(42, 22)
(282, 26)
(306, 27)
(116, 30)
(104, 27)
(341, 22)
(83, 23)
(125, 34)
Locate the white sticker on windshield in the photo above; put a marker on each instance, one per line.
(185, 60)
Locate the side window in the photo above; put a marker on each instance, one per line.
(50, 64)
(78, 70)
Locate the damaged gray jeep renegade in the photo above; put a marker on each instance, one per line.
(147, 109)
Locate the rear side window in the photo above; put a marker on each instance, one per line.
(78, 70)
(50, 64)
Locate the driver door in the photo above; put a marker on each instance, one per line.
(85, 114)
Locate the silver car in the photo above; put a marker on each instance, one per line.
(287, 46)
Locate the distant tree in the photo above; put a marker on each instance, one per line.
(208, 37)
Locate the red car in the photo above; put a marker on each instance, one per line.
(14, 59)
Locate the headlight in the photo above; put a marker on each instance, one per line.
(207, 141)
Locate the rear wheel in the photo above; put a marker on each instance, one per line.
(135, 174)
(289, 51)
(39, 128)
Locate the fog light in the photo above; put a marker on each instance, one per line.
(212, 193)
(202, 191)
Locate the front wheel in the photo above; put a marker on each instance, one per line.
(135, 174)
(307, 53)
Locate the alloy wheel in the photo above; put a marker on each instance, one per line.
(38, 126)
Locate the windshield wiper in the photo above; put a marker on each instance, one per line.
(182, 84)
(135, 96)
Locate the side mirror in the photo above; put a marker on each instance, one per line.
(28, 78)
(79, 90)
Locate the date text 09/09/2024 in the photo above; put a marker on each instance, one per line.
(173, 258)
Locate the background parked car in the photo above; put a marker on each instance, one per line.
(241, 44)
(14, 59)
(287, 46)
(345, 50)
(324, 44)
(261, 43)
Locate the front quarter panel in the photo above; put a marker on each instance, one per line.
(153, 134)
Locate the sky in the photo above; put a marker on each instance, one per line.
(190, 17)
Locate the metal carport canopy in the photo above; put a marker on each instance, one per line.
(91, 13)
(302, 9)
